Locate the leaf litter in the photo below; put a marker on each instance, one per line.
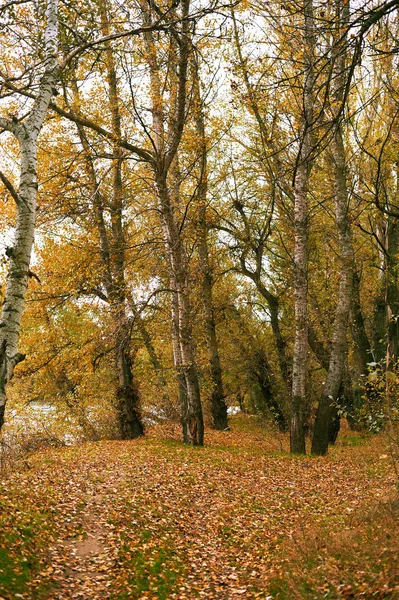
(153, 518)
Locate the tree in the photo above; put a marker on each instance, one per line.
(342, 204)
(218, 405)
(26, 131)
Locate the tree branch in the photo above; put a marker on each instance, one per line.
(13, 192)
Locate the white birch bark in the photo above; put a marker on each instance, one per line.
(19, 254)
(297, 434)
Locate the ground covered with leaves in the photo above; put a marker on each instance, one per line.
(239, 518)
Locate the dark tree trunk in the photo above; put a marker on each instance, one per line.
(2, 411)
(392, 291)
(380, 336)
(334, 426)
(129, 417)
(358, 328)
(218, 405)
(262, 373)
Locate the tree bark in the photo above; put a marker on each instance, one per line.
(128, 399)
(358, 328)
(218, 405)
(166, 138)
(323, 428)
(392, 291)
(304, 166)
(112, 251)
(193, 419)
(297, 433)
(19, 254)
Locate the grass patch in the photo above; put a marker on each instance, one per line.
(352, 440)
(356, 560)
(21, 541)
(154, 569)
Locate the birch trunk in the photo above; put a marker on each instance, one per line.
(166, 138)
(193, 426)
(19, 254)
(177, 358)
(298, 402)
(325, 411)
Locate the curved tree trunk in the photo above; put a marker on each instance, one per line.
(20, 253)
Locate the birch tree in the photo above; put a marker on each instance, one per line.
(301, 184)
(166, 136)
(26, 131)
(338, 157)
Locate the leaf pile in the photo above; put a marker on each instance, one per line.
(156, 519)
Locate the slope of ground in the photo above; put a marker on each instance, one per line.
(239, 518)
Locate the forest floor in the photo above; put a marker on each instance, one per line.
(239, 518)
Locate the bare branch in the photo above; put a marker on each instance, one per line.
(13, 192)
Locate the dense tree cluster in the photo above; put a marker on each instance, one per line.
(213, 190)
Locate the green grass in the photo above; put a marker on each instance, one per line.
(352, 440)
(152, 569)
(20, 543)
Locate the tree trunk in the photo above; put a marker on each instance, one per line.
(218, 405)
(178, 366)
(20, 253)
(326, 409)
(297, 433)
(392, 291)
(358, 329)
(166, 137)
(129, 418)
(193, 420)
(262, 371)
(112, 251)
(128, 399)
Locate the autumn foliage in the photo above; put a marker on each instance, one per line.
(199, 246)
